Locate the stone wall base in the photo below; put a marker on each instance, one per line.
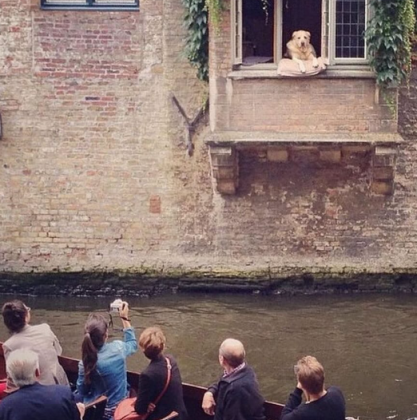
(283, 281)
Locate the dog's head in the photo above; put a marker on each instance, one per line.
(301, 39)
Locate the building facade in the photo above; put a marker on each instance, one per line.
(288, 176)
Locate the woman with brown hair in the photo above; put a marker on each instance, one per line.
(153, 381)
(102, 370)
(39, 338)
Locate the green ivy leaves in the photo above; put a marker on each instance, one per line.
(196, 48)
(389, 36)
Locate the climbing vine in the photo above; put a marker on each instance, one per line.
(389, 36)
(196, 48)
(197, 15)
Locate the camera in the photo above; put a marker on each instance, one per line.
(116, 305)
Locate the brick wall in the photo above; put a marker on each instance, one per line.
(94, 173)
(317, 105)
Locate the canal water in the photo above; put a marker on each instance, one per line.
(367, 343)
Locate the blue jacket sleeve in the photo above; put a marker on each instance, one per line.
(289, 412)
(81, 388)
(130, 345)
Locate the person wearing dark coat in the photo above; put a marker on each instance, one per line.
(236, 396)
(152, 380)
(32, 400)
(321, 404)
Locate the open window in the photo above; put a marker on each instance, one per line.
(337, 29)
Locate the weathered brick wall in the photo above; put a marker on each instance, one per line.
(91, 141)
(95, 176)
(302, 105)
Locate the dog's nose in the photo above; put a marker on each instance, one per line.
(303, 43)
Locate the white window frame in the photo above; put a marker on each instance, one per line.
(328, 35)
(332, 37)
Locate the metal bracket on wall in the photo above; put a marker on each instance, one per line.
(190, 124)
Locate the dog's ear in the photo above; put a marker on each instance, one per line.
(308, 34)
(294, 34)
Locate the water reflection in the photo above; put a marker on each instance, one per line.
(366, 343)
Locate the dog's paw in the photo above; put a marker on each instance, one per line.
(302, 69)
(315, 63)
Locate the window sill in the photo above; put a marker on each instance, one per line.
(87, 8)
(332, 72)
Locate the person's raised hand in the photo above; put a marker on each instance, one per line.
(124, 310)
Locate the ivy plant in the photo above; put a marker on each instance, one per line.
(389, 37)
(197, 14)
(196, 48)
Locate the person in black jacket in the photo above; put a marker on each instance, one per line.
(34, 401)
(236, 396)
(321, 404)
(152, 380)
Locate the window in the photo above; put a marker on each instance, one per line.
(337, 29)
(91, 4)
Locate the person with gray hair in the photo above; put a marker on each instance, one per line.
(236, 396)
(34, 401)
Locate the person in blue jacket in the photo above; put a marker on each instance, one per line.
(102, 370)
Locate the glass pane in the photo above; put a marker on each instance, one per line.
(350, 28)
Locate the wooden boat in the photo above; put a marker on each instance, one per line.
(193, 395)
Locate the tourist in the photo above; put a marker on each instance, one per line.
(320, 404)
(155, 385)
(39, 338)
(34, 401)
(236, 396)
(102, 370)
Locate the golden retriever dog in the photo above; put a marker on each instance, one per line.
(299, 49)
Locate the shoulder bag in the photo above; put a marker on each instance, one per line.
(125, 410)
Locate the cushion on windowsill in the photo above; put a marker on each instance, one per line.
(289, 68)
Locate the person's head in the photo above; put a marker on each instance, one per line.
(231, 353)
(22, 366)
(95, 335)
(310, 374)
(15, 315)
(152, 341)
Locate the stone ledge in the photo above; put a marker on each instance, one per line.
(270, 72)
(260, 138)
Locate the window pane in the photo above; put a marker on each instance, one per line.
(350, 28)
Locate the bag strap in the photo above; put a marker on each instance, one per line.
(167, 381)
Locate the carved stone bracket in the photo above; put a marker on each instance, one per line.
(383, 170)
(326, 149)
(225, 169)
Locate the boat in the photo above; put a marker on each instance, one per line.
(193, 394)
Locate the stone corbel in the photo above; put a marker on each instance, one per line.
(383, 170)
(225, 168)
